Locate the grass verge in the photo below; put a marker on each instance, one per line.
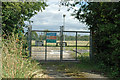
(13, 63)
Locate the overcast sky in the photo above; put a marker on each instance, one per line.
(51, 18)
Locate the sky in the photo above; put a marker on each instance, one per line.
(51, 19)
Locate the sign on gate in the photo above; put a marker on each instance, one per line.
(51, 37)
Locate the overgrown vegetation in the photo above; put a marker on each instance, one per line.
(13, 63)
(103, 20)
(15, 13)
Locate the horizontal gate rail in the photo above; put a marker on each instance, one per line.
(58, 61)
(59, 31)
(59, 46)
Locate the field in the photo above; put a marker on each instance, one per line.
(53, 51)
(69, 43)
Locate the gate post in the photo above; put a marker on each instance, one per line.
(76, 46)
(91, 55)
(29, 39)
(61, 43)
(45, 46)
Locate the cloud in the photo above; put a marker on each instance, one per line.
(52, 19)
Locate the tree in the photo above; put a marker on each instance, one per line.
(15, 13)
(103, 20)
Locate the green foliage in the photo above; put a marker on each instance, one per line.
(106, 34)
(103, 20)
(108, 45)
(15, 13)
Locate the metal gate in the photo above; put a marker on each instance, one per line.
(56, 45)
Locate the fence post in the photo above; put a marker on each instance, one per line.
(91, 55)
(29, 39)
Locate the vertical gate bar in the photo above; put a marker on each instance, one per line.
(45, 46)
(76, 45)
(61, 43)
(90, 45)
(29, 39)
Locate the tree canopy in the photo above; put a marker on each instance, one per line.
(103, 19)
(15, 13)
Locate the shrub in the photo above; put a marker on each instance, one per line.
(107, 46)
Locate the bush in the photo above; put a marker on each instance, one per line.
(107, 47)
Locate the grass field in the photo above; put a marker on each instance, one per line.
(70, 50)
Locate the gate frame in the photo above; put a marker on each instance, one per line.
(61, 43)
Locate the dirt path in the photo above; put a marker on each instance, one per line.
(57, 70)
(53, 73)
(61, 69)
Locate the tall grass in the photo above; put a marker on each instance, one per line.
(0, 57)
(13, 63)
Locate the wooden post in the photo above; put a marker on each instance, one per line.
(29, 39)
(91, 55)
(76, 46)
